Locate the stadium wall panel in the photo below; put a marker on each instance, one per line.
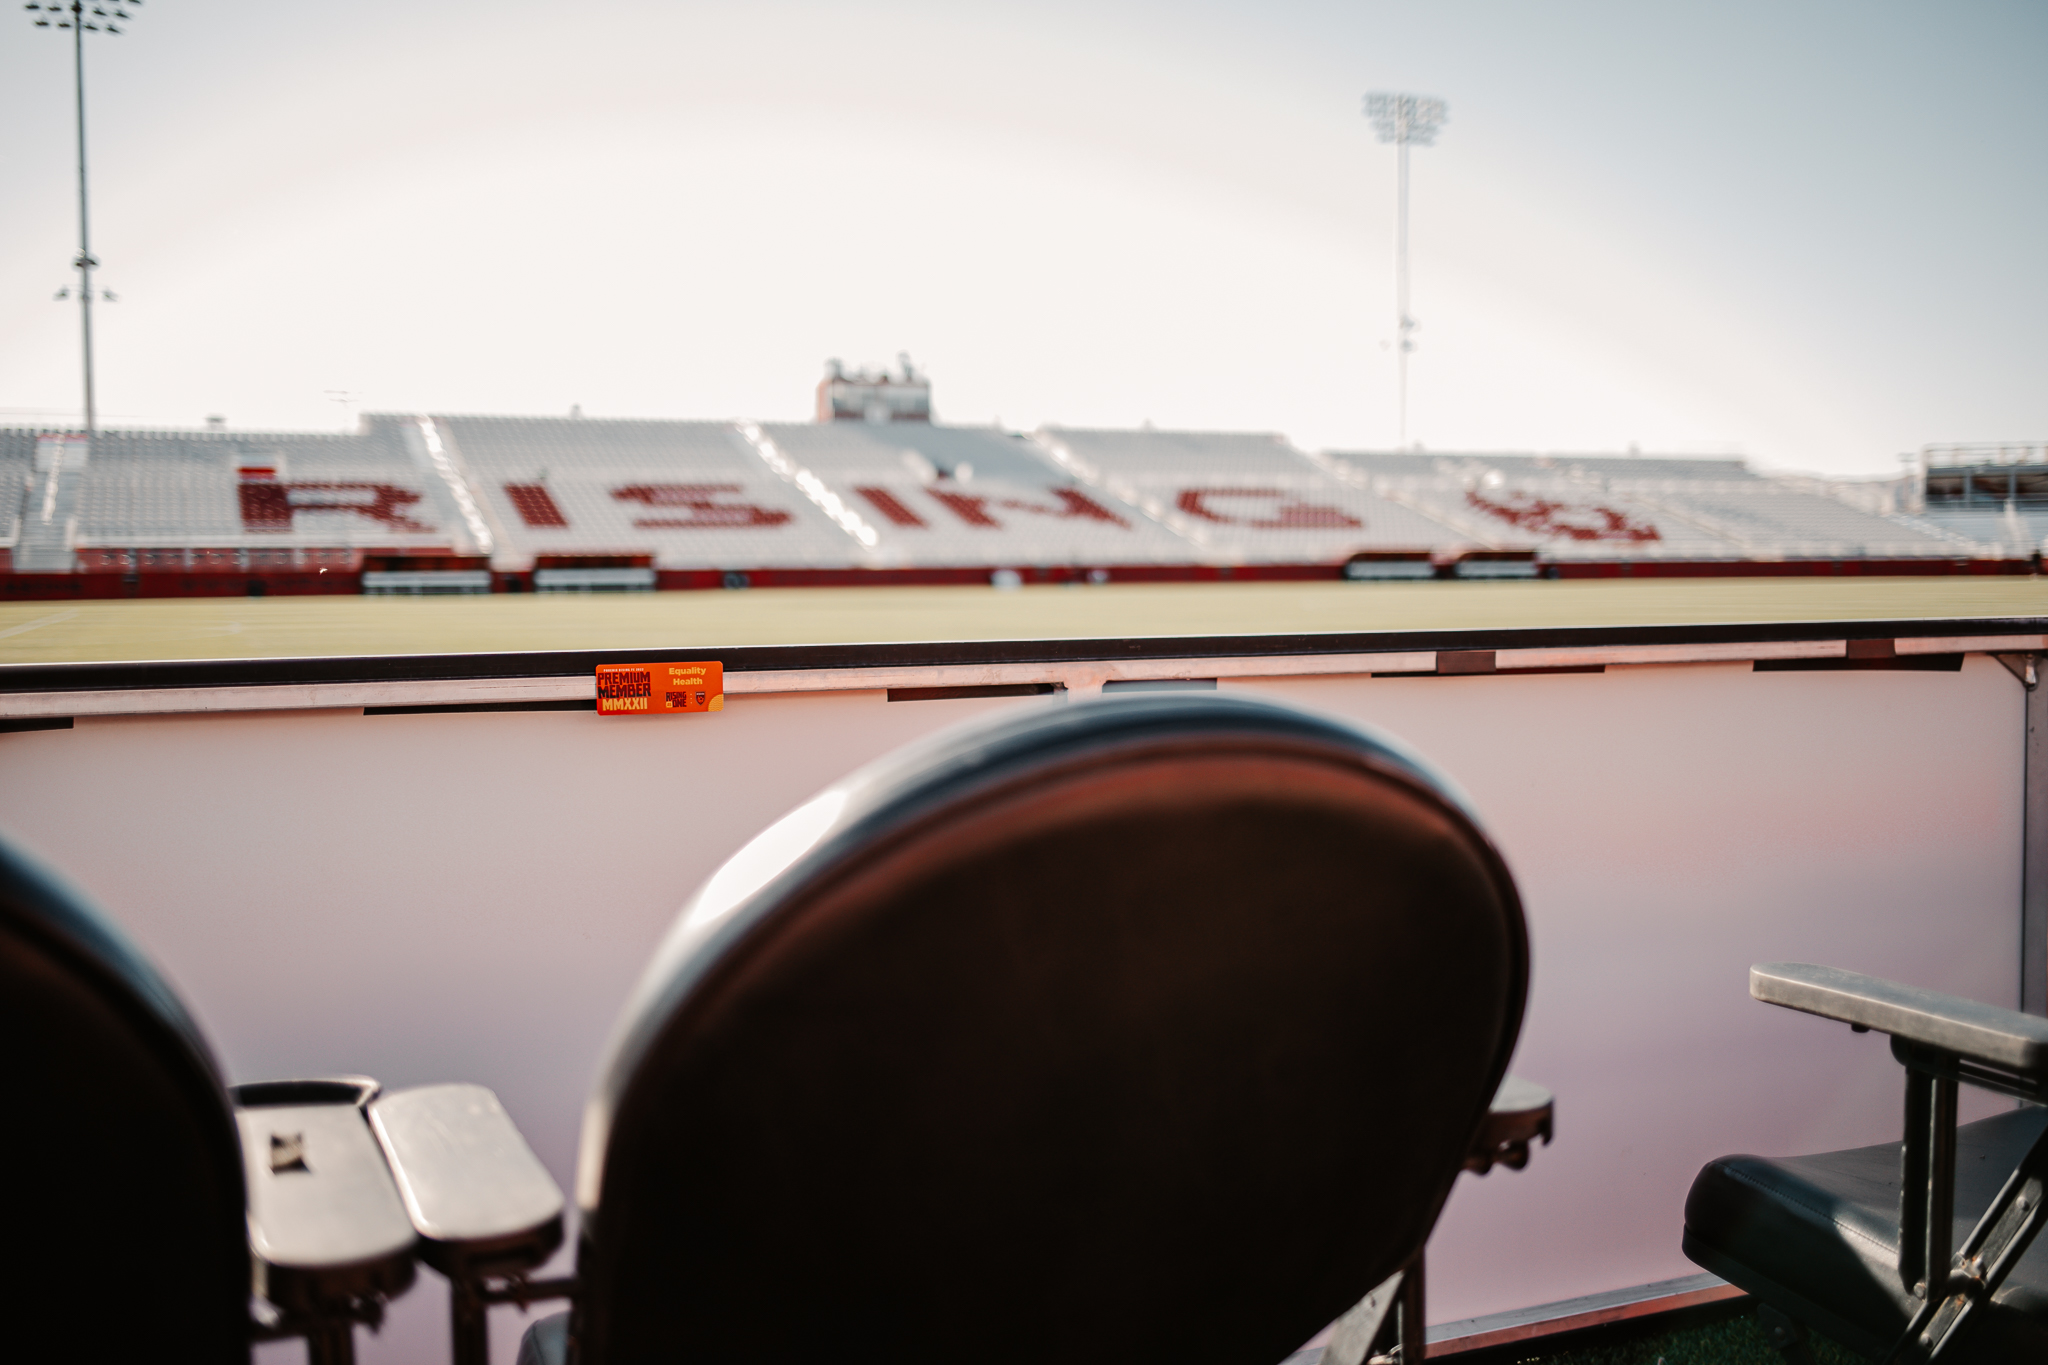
(66, 587)
(1789, 568)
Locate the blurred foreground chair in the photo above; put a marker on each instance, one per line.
(1141, 1028)
(152, 1219)
(1905, 1252)
(124, 1212)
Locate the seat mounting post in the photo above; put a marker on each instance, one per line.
(331, 1341)
(1941, 1184)
(2034, 839)
(469, 1324)
(1414, 1341)
(1927, 1192)
(1387, 1327)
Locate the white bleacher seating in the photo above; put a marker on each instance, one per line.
(2022, 530)
(599, 504)
(17, 465)
(694, 495)
(1245, 497)
(1559, 506)
(1775, 522)
(216, 489)
(1589, 507)
(973, 497)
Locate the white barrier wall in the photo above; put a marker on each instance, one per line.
(469, 896)
(1668, 827)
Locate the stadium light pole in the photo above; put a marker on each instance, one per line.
(1402, 120)
(82, 18)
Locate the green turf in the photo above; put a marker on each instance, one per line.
(269, 627)
(1736, 1340)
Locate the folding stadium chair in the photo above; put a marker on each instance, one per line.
(150, 1219)
(124, 1209)
(1906, 1253)
(1153, 1027)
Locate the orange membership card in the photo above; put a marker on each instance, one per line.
(659, 689)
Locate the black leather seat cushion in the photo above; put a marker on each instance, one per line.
(1818, 1236)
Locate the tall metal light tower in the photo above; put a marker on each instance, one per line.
(1401, 120)
(82, 18)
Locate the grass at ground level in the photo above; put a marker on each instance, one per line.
(1731, 1336)
(274, 627)
(1739, 1341)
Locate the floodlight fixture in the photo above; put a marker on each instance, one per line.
(1404, 120)
(82, 17)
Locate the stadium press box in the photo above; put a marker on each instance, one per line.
(660, 688)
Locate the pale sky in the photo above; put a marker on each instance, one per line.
(1812, 234)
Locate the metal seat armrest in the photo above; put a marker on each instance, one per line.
(2001, 1039)
(1521, 1112)
(329, 1241)
(479, 1198)
(484, 1206)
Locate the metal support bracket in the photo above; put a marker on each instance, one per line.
(1353, 1336)
(2029, 669)
(1386, 1326)
(1927, 1193)
(2034, 845)
(1987, 1256)
(329, 1336)
(469, 1302)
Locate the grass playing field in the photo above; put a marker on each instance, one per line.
(1736, 1340)
(271, 627)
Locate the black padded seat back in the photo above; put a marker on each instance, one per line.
(125, 1204)
(1139, 1028)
